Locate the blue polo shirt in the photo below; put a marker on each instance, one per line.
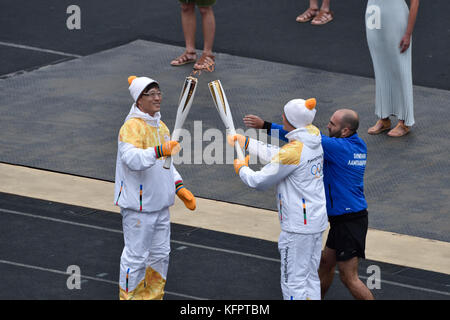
(343, 171)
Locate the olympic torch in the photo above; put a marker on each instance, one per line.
(222, 106)
(184, 105)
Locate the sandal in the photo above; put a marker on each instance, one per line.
(381, 126)
(185, 58)
(308, 15)
(399, 131)
(323, 18)
(206, 62)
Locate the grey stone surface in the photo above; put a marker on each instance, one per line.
(66, 117)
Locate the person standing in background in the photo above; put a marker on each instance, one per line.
(188, 21)
(389, 28)
(318, 16)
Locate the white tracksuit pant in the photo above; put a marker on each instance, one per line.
(300, 258)
(145, 257)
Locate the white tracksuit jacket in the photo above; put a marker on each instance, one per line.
(141, 182)
(296, 170)
(144, 190)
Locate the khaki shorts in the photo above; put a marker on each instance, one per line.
(200, 3)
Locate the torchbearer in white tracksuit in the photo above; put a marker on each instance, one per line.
(144, 191)
(296, 170)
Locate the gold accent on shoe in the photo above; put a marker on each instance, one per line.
(149, 288)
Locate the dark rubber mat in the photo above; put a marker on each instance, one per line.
(259, 29)
(41, 239)
(16, 59)
(66, 118)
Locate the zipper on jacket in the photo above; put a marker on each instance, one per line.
(329, 193)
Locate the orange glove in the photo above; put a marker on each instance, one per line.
(185, 195)
(238, 164)
(168, 148)
(242, 140)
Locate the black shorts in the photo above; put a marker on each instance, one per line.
(347, 235)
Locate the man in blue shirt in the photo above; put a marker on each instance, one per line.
(345, 155)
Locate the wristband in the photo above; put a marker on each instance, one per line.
(267, 125)
(179, 185)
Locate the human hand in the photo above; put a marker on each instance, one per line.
(238, 164)
(253, 121)
(242, 140)
(405, 43)
(168, 148)
(185, 195)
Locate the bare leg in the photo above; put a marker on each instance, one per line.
(325, 5)
(348, 271)
(189, 25)
(326, 269)
(314, 4)
(209, 28)
(206, 61)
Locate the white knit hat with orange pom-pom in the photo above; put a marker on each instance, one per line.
(299, 112)
(138, 84)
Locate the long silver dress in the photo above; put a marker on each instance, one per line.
(386, 23)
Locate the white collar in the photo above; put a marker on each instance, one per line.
(135, 112)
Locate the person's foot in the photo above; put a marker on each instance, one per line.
(323, 17)
(308, 15)
(185, 58)
(379, 127)
(206, 62)
(399, 131)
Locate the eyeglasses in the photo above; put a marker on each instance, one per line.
(153, 94)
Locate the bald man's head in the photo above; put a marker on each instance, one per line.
(343, 123)
(350, 119)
